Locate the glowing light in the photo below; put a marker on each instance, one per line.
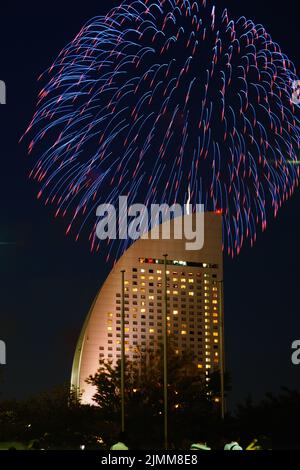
(168, 101)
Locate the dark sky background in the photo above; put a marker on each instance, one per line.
(48, 282)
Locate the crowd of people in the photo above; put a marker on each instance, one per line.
(123, 443)
(231, 443)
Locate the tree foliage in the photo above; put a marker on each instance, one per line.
(190, 401)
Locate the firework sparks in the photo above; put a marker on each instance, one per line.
(158, 97)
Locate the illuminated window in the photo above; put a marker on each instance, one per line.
(206, 301)
(135, 289)
(191, 294)
(151, 278)
(215, 322)
(109, 328)
(200, 366)
(151, 297)
(158, 271)
(214, 302)
(143, 277)
(215, 333)
(191, 281)
(183, 286)
(126, 330)
(175, 312)
(126, 283)
(216, 341)
(168, 272)
(143, 310)
(110, 315)
(183, 280)
(143, 270)
(151, 330)
(183, 332)
(175, 279)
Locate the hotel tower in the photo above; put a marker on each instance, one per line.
(194, 304)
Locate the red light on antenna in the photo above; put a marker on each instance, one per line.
(219, 211)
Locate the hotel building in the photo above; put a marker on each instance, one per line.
(194, 308)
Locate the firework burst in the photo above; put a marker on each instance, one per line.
(158, 97)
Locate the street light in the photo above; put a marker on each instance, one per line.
(165, 355)
(221, 324)
(123, 354)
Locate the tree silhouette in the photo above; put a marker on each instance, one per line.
(190, 401)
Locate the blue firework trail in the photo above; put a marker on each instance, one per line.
(160, 96)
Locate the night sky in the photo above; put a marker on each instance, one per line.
(48, 282)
